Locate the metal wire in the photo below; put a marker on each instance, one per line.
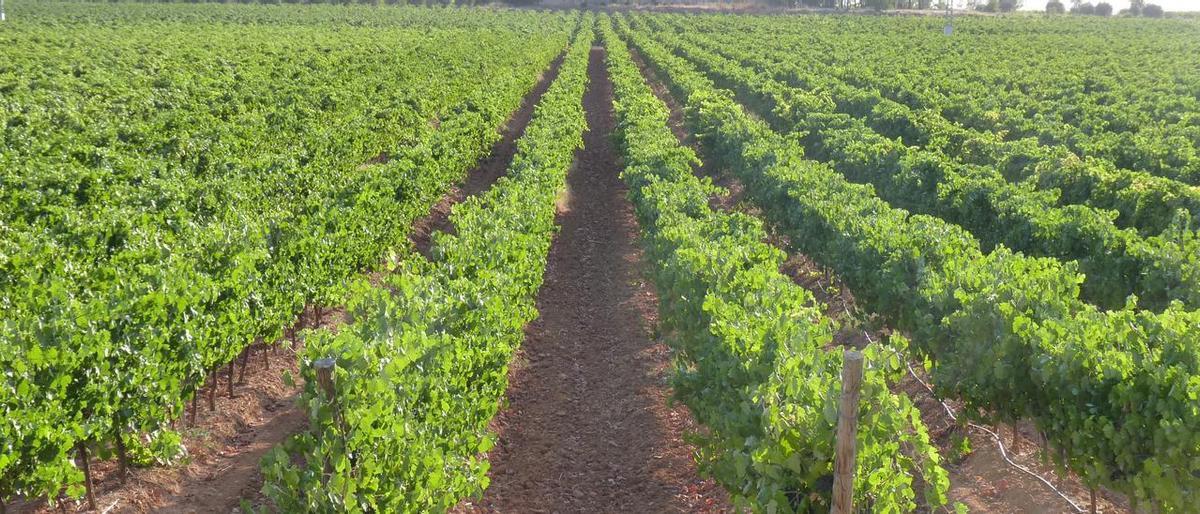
(999, 444)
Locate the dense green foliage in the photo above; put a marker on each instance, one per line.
(1117, 262)
(1020, 200)
(422, 368)
(1114, 392)
(1058, 80)
(178, 184)
(1142, 200)
(755, 370)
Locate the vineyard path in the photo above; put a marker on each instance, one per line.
(589, 426)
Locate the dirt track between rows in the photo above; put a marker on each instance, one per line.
(588, 427)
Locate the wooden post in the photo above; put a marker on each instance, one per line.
(847, 429)
(324, 369)
(1093, 498)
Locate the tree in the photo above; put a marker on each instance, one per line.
(1104, 9)
(1085, 8)
(1055, 7)
(987, 6)
(1152, 11)
(1136, 6)
(1009, 5)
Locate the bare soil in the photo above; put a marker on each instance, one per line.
(588, 427)
(984, 481)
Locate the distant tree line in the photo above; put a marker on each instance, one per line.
(338, 2)
(1136, 8)
(830, 4)
(844, 4)
(1080, 7)
(998, 5)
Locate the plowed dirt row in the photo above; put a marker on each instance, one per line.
(588, 427)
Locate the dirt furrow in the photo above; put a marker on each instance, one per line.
(588, 427)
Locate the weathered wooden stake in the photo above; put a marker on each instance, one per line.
(1093, 495)
(1015, 442)
(843, 460)
(87, 474)
(324, 369)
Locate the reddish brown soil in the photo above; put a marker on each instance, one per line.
(487, 171)
(588, 427)
(984, 481)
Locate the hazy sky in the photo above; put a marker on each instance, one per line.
(1170, 5)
